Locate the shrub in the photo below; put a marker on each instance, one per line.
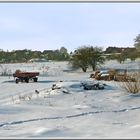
(132, 86)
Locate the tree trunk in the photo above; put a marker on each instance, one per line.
(93, 67)
(84, 69)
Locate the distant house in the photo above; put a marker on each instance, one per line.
(111, 50)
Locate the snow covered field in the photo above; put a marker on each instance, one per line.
(67, 111)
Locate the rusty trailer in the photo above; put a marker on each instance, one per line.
(25, 76)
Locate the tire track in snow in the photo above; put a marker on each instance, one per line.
(69, 116)
(31, 120)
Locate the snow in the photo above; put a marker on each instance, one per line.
(58, 106)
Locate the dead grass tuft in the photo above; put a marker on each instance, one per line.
(132, 86)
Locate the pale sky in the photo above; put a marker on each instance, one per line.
(45, 26)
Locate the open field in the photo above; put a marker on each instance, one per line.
(36, 110)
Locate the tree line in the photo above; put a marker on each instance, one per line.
(21, 56)
(83, 57)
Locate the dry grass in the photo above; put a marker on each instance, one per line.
(132, 86)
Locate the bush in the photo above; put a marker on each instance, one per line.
(132, 86)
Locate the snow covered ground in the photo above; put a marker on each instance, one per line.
(57, 106)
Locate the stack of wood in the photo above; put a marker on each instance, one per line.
(113, 74)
